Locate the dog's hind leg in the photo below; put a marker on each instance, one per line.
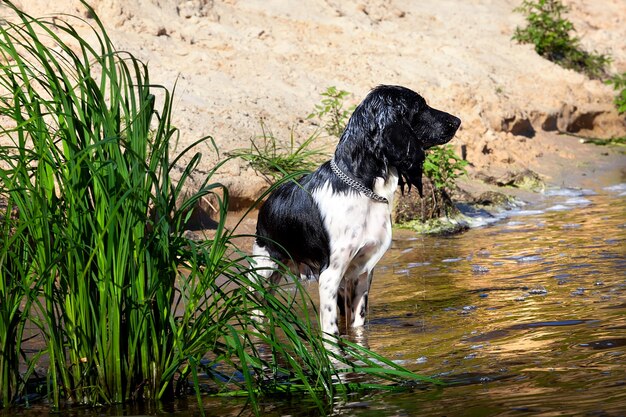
(264, 272)
(264, 268)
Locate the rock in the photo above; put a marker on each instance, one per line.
(244, 191)
(493, 198)
(525, 179)
(440, 226)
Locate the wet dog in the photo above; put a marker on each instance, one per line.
(335, 223)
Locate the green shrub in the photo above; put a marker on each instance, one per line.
(619, 84)
(443, 166)
(331, 112)
(551, 34)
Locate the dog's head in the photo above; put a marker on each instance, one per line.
(399, 126)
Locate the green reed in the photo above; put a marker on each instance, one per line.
(87, 175)
(93, 251)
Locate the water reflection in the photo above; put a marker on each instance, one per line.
(539, 299)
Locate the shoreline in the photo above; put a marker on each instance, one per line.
(595, 167)
(585, 168)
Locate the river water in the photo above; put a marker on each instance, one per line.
(525, 316)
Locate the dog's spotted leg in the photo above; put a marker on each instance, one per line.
(348, 296)
(328, 286)
(360, 299)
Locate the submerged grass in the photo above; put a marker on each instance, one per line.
(93, 253)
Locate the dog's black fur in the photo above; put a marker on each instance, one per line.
(391, 127)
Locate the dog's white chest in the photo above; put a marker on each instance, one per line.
(374, 240)
(359, 229)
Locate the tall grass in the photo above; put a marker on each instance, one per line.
(88, 172)
(94, 255)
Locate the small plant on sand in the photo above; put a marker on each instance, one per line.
(443, 167)
(551, 33)
(275, 160)
(618, 81)
(331, 111)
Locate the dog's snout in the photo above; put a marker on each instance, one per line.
(440, 127)
(454, 122)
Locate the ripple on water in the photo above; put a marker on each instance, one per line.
(416, 264)
(618, 188)
(604, 344)
(452, 260)
(568, 192)
(527, 258)
(555, 323)
(515, 223)
(558, 207)
(540, 290)
(562, 276)
(525, 212)
(479, 269)
(578, 201)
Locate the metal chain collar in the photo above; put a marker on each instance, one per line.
(352, 183)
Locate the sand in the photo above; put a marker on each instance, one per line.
(237, 62)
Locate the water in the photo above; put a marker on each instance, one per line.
(524, 316)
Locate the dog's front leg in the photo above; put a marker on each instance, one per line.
(359, 299)
(330, 279)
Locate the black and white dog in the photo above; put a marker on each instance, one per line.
(335, 223)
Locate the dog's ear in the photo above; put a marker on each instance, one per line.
(402, 149)
(357, 139)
